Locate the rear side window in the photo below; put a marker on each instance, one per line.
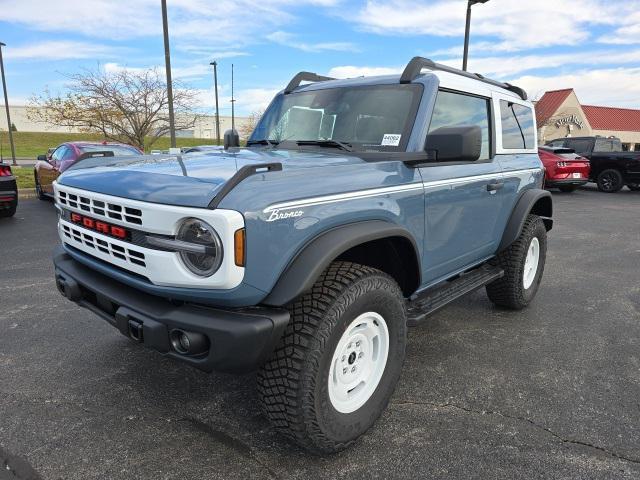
(517, 125)
(580, 146)
(607, 145)
(454, 109)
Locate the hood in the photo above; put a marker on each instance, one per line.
(191, 180)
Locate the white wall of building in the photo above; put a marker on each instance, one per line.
(205, 126)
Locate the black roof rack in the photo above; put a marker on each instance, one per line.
(414, 67)
(304, 76)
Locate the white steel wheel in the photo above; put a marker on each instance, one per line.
(358, 362)
(531, 263)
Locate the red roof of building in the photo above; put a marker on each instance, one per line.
(612, 118)
(549, 104)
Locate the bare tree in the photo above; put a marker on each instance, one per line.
(247, 127)
(127, 105)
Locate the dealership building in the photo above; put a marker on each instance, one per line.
(560, 114)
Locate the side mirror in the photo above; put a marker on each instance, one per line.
(42, 158)
(231, 139)
(462, 143)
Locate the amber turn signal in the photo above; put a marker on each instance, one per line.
(239, 247)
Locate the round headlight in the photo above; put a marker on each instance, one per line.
(204, 253)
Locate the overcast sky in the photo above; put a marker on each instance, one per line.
(591, 45)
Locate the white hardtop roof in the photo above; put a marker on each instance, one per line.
(446, 80)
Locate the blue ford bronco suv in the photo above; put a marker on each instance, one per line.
(357, 208)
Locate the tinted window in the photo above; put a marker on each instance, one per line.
(581, 146)
(454, 109)
(607, 145)
(517, 125)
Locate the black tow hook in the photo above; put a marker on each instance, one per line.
(135, 331)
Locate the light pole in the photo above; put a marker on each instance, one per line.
(6, 106)
(167, 63)
(466, 32)
(233, 101)
(215, 83)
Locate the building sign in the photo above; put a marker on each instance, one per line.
(570, 119)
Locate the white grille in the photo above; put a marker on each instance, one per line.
(105, 209)
(116, 251)
(158, 266)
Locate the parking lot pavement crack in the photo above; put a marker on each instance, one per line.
(233, 443)
(523, 419)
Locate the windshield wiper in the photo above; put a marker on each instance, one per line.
(263, 141)
(327, 143)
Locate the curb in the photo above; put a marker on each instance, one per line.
(25, 193)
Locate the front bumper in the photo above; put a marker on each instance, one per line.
(239, 340)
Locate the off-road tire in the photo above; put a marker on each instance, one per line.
(39, 193)
(610, 181)
(567, 188)
(293, 384)
(509, 291)
(9, 212)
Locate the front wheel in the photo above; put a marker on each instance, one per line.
(39, 191)
(610, 181)
(523, 264)
(338, 363)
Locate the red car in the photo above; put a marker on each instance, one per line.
(564, 169)
(50, 166)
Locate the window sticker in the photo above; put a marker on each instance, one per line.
(391, 139)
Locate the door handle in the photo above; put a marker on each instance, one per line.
(492, 187)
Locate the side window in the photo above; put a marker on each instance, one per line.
(57, 155)
(69, 154)
(452, 109)
(580, 146)
(517, 125)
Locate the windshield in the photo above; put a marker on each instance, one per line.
(368, 118)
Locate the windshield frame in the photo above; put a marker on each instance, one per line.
(358, 148)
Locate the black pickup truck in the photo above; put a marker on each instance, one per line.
(611, 167)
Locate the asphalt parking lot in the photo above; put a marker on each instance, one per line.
(550, 392)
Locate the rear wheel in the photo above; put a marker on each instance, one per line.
(339, 360)
(567, 188)
(523, 264)
(9, 212)
(610, 181)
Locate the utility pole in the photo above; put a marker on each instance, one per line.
(167, 63)
(466, 31)
(6, 106)
(215, 83)
(233, 101)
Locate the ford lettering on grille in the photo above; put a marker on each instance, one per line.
(100, 226)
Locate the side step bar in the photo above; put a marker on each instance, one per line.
(440, 295)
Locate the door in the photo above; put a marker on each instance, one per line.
(48, 173)
(462, 199)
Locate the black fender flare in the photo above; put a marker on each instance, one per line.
(533, 200)
(303, 270)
